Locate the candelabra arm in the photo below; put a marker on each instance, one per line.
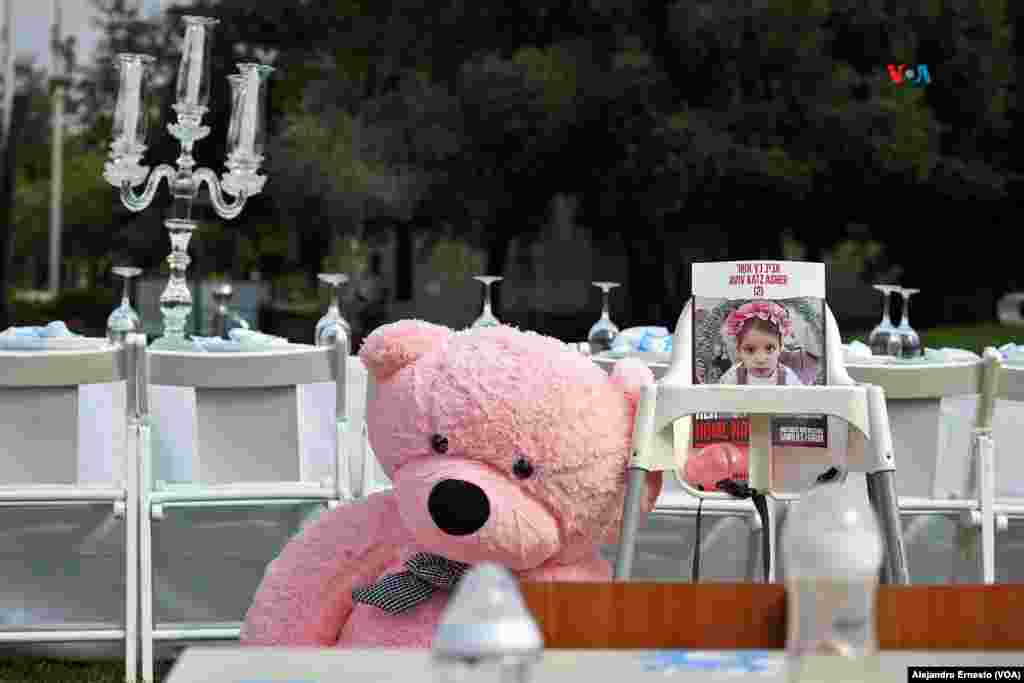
(139, 202)
(225, 208)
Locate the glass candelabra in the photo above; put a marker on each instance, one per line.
(228, 193)
(332, 321)
(486, 317)
(883, 340)
(910, 340)
(603, 332)
(124, 320)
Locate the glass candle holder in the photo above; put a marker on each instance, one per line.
(237, 85)
(250, 114)
(131, 123)
(193, 86)
(247, 130)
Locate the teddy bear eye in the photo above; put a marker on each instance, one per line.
(439, 443)
(522, 468)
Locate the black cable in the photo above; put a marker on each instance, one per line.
(761, 503)
(696, 545)
(828, 475)
(740, 489)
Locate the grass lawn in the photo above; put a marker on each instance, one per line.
(971, 337)
(40, 670)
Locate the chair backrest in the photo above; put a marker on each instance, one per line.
(366, 474)
(63, 416)
(798, 466)
(245, 411)
(1007, 430)
(931, 440)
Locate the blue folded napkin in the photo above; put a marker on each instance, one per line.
(241, 340)
(1013, 354)
(715, 662)
(643, 339)
(33, 337)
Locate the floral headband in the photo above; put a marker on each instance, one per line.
(768, 311)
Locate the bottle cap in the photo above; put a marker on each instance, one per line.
(486, 617)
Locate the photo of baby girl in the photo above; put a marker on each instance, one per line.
(758, 329)
(759, 342)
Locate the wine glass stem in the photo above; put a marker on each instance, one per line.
(335, 307)
(487, 297)
(124, 293)
(886, 303)
(605, 315)
(905, 321)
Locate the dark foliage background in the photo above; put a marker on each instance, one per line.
(741, 129)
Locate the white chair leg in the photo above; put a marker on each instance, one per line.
(131, 564)
(146, 592)
(976, 530)
(144, 514)
(986, 499)
(965, 553)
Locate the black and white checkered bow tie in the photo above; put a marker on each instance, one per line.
(424, 575)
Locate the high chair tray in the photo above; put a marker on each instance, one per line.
(847, 402)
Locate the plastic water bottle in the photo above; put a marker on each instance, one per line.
(833, 552)
(486, 634)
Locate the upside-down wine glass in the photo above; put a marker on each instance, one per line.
(910, 340)
(225, 318)
(883, 340)
(124, 319)
(324, 334)
(603, 332)
(486, 318)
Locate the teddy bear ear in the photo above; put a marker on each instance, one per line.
(631, 374)
(391, 347)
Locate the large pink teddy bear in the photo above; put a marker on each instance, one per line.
(501, 445)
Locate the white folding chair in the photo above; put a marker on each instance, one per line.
(249, 413)
(1008, 493)
(366, 469)
(666, 408)
(937, 478)
(48, 459)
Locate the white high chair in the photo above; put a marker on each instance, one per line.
(674, 399)
(49, 459)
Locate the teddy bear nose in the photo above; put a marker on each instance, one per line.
(458, 508)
